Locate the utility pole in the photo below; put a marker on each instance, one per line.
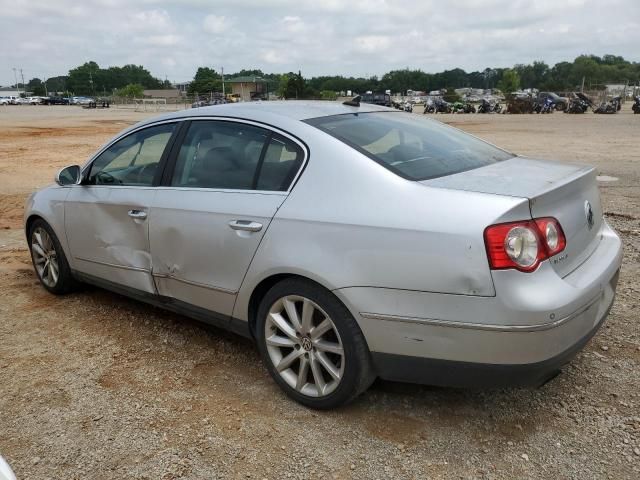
(24, 90)
(15, 77)
(222, 70)
(91, 83)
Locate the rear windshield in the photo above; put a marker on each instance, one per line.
(411, 146)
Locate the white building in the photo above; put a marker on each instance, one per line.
(9, 92)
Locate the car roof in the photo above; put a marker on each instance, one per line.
(263, 111)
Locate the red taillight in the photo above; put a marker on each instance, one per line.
(552, 234)
(523, 245)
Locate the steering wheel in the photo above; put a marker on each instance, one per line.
(106, 178)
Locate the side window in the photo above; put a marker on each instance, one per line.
(219, 154)
(132, 160)
(281, 162)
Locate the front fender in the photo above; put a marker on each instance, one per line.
(48, 204)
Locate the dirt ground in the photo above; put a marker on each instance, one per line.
(95, 386)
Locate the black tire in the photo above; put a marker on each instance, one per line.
(358, 373)
(65, 282)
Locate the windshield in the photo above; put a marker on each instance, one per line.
(410, 146)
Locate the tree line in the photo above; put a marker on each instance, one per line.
(91, 79)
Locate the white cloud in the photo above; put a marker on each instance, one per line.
(273, 57)
(358, 37)
(216, 24)
(151, 20)
(293, 24)
(168, 62)
(372, 43)
(161, 40)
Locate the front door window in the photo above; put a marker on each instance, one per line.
(132, 160)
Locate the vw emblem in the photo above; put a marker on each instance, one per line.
(588, 212)
(306, 343)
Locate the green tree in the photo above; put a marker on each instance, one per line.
(90, 79)
(510, 81)
(328, 95)
(292, 85)
(36, 86)
(282, 85)
(206, 80)
(451, 96)
(133, 90)
(56, 84)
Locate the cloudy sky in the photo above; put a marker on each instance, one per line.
(351, 37)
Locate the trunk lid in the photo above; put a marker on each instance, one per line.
(563, 191)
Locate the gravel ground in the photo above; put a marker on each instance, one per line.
(96, 386)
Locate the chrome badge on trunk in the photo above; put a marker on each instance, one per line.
(588, 212)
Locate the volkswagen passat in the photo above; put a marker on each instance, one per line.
(350, 241)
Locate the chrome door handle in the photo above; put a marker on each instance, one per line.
(137, 214)
(246, 225)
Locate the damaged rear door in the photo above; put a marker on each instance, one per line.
(107, 216)
(225, 182)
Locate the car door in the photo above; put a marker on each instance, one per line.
(106, 217)
(225, 183)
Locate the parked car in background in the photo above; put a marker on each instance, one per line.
(34, 100)
(550, 98)
(82, 100)
(383, 99)
(55, 100)
(9, 100)
(350, 241)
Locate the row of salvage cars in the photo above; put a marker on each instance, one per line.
(521, 102)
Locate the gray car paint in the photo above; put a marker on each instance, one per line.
(103, 240)
(402, 252)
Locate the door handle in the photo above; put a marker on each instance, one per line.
(140, 214)
(246, 225)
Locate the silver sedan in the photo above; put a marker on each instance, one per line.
(350, 241)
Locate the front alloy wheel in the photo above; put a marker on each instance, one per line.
(44, 257)
(304, 346)
(48, 258)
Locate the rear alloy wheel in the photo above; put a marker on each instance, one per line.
(312, 346)
(48, 259)
(304, 346)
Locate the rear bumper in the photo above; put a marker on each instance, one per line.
(451, 373)
(522, 336)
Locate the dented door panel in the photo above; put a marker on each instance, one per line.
(104, 239)
(198, 255)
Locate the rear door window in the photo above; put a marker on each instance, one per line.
(218, 154)
(282, 161)
(231, 155)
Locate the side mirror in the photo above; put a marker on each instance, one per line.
(71, 175)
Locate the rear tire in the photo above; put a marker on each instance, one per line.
(49, 260)
(311, 345)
